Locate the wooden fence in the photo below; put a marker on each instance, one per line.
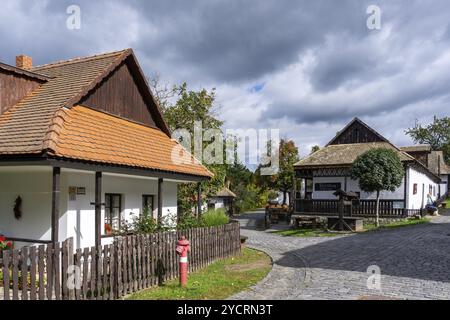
(361, 208)
(130, 264)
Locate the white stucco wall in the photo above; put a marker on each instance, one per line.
(33, 185)
(444, 184)
(414, 201)
(219, 204)
(423, 181)
(76, 217)
(352, 185)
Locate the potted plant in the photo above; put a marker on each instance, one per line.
(108, 229)
(5, 245)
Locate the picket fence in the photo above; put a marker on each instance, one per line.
(129, 264)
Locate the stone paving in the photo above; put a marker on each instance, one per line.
(414, 262)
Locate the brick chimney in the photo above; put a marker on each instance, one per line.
(24, 62)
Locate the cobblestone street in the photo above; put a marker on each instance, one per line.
(414, 263)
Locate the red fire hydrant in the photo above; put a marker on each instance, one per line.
(182, 250)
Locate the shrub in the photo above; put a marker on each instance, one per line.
(144, 224)
(272, 195)
(188, 221)
(215, 218)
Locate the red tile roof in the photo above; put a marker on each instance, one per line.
(45, 121)
(23, 127)
(85, 134)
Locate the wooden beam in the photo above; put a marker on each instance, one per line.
(91, 166)
(160, 199)
(56, 186)
(98, 208)
(405, 191)
(199, 199)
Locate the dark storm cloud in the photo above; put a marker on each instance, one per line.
(220, 40)
(242, 40)
(317, 61)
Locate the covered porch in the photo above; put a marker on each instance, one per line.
(52, 200)
(314, 187)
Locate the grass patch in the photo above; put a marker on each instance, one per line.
(217, 281)
(367, 227)
(447, 202)
(394, 225)
(306, 233)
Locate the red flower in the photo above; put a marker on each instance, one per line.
(2, 238)
(9, 244)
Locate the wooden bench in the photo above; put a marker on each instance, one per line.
(356, 224)
(301, 221)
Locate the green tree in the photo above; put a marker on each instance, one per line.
(436, 134)
(377, 170)
(288, 157)
(192, 106)
(315, 149)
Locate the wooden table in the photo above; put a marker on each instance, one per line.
(301, 221)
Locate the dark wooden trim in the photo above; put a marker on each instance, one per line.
(147, 93)
(405, 192)
(140, 80)
(56, 190)
(110, 205)
(40, 160)
(160, 198)
(98, 208)
(85, 91)
(365, 125)
(28, 240)
(29, 74)
(152, 196)
(199, 198)
(122, 118)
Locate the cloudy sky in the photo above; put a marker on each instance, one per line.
(305, 67)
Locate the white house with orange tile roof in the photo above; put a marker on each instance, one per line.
(84, 147)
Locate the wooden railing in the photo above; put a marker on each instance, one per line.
(130, 264)
(361, 208)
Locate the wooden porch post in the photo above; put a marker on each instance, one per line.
(160, 199)
(293, 198)
(56, 186)
(98, 208)
(306, 187)
(199, 199)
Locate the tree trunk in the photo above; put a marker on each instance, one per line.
(377, 213)
(284, 197)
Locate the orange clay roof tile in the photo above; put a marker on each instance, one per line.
(42, 123)
(91, 135)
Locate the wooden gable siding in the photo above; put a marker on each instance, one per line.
(13, 88)
(421, 156)
(356, 133)
(118, 94)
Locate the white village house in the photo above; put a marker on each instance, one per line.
(83, 146)
(327, 170)
(223, 199)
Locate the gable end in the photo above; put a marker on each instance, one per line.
(357, 132)
(119, 94)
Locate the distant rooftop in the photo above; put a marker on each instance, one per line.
(417, 148)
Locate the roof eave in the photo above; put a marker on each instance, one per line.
(24, 72)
